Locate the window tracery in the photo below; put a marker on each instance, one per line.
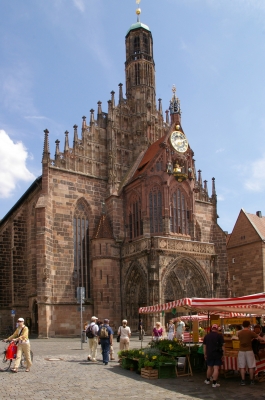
(179, 213)
(155, 211)
(81, 247)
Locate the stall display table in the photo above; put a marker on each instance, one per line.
(230, 364)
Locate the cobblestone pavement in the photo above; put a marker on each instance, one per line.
(73, 377)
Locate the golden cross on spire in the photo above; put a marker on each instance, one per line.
(138, 11)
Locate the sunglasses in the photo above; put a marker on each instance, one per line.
(19, 321)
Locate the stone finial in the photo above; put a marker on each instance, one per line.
(200, 177)
(57, 149)
(205, 187)
(66, 141)
(120, 93)
(92, 116)
(167, 116)
(112, 98)
(46, 147)
(84, 122)
(213, 187)
(160, 106)
(75, 134)
(99, 107)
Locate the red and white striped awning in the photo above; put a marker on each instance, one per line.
(252, 304)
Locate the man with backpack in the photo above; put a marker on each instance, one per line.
(105, 338)
(91, 333)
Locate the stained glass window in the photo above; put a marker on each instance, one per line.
(81, 248)
(135, 219)
(155, 211)
(179, 213)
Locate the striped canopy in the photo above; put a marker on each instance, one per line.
(251, 304)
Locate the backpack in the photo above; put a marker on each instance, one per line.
(89, 332)
(104, 334)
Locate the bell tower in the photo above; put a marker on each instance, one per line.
(140, 66)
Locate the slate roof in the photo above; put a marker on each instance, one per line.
(104, 230)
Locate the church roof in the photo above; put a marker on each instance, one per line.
(138, 25)
(104, 230)
(258, 223)
(151, 152)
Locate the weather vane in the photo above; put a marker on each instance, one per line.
(138, 10)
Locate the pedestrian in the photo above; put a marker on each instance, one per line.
(157, 332)
(246, 357)
(91, 333)
(21, 337)
(213, 349)
(171, 330)
(180, 329)
(105, 338)
(125, 333)
(141, 329)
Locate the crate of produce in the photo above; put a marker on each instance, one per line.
(149, 373)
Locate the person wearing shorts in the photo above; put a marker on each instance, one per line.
(246, 357)
(213, 348)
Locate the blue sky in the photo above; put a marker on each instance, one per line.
(58, 58)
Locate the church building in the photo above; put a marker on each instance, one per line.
(122, 212)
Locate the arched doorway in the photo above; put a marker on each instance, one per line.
(35, 318)
(184, 278)
(134, 294)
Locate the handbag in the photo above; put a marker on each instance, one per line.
(118, 338)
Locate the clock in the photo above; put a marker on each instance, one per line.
(179, 142)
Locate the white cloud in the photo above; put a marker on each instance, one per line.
(220, 150)
(13, 165)
(80, 5)
(256, 173)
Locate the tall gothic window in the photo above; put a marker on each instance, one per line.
(135, 219)
(137, 74)
(179, 213)
(145, 41)
(136, 44)
(155, 211)
(81, 247)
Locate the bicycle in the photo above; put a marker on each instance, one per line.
(6, 360)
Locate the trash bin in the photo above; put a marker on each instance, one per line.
(84, 337)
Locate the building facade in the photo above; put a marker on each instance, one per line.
(246, 254)
(122, 212)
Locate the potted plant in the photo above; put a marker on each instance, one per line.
(131, 367)
(149, 364)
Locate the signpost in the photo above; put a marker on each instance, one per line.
(13, 314)
(81, 294)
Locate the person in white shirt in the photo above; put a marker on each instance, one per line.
(92, 331)
(180, 325)
(125, 333)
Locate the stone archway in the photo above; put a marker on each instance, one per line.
(134, 294)
(184, 278)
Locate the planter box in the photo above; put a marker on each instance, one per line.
(167, 370)
(149, 373)
(197, 361)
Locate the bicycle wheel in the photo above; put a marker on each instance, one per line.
(23, 362)
(4, 363)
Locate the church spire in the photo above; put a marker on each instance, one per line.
(174, 107)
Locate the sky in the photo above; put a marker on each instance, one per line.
(58, 58)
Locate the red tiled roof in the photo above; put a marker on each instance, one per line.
(258, 223)
(149, 155)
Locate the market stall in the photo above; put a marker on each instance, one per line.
(241, 307)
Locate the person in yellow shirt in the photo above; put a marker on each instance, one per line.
(21, 337)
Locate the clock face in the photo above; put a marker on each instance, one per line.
(179, 141)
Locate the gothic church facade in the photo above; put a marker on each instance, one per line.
(122, 212)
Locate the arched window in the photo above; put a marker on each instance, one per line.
(179, 213)
(155, 211)
(135, 219)
(81, 247)
(136, 44)
(145, 41)
(137, 74)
